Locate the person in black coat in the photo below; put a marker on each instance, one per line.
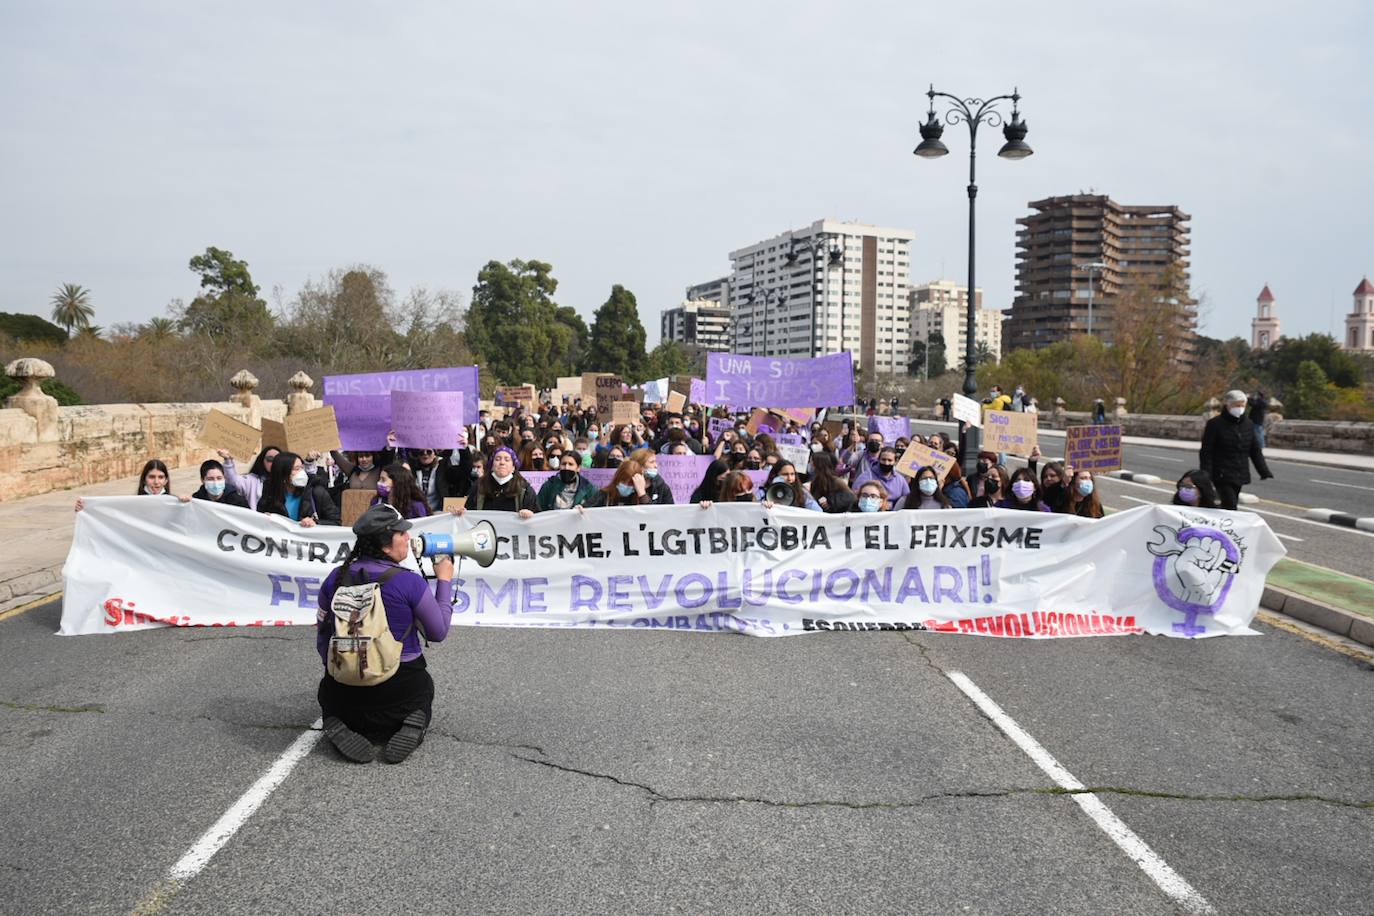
(292, 492)
(1229, 447)
(216, 489)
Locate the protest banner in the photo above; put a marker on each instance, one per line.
(607, 394)
(353, 504)
(312, 431)
(1168, 570)
(967, 410)
(221, 431)
(796, 450)
(427, 419)
(696, 391)
(381, 384)
(273, 433)
(742, 382)
(624, 412)
(919, 456)
(510, 395)
(363, 421)
(1093, 448)
(892, 428)
(676, 401)
(1009, 431)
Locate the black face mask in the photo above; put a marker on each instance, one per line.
(744, 498)
(873, 447)
(750, 464)
(567, 476)
(537, 463)
(983, 467)
(613, 462)
(991, 484)
(885, 468)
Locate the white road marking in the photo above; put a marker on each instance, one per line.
(1337, 483)
(1169, 881)
(1162, 458)
(223, 830)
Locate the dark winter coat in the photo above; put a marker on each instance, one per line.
(548, 493)
(231, 497)
(1228, 447)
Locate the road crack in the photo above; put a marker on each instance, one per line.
(32, 707)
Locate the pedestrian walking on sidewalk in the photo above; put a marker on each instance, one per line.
(1229, 447)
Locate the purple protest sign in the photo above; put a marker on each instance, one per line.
(427, 419)
(696, 391)
(364, 421)
(761, 381)
(683, 473)
(717, 425)
(454, 378)
(892, 428)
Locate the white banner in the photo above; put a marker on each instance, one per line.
(146, 561)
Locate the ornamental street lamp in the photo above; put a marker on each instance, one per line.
(972, 111)
(1091, 267)
(816, 245)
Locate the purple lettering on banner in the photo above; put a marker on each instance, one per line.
(427, 419)
(696, 393)
(454, 378)
(892, 428)
(364, 421)
(760, 381)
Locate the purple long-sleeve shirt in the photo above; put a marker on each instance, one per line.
(407, 598)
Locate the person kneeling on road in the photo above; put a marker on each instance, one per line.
(398, 709)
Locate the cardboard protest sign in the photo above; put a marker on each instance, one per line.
(606, 392)
(834, 427)
(273, 434)
(892, 428)
(624, 412)
(515, 394)
(454, 502)
(313, 431)
(967, 410)
(802, 415)
(919, 456)
(427, 419)
(796, 450)
(221, 431)
(363, 421)
(676, 401)
(759, 420)
(1093, 448)
(569, 388)
(744, 381)
(589, 380)
(1009, 431)
(375, 384)
(355, 503)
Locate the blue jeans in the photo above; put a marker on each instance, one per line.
(1259, 434)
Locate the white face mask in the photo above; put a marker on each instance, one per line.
(502, 479)
(300, 479)
(1236, 412)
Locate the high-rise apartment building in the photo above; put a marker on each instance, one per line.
(1080, 252)
(699, 322)
(826, 288)
(941, 307)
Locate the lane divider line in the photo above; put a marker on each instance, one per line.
(1332, 517)
(1137, 850)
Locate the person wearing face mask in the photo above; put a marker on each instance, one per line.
(361, 471)
(440, 474)
(1229, 447)
(289, 491)
(670, 422)
(786, 472)
(994, 483)
(872, 497)
(397, 488)
(926, 494)
(250, 484)
(532, 457)
(215, 487)
(734, 486)
(660, 494)
(502, 489)
(828, 487)
(884, 471)
(629, 487)
(955, 487)
(1083, 497)
(1054, 481)
(1196, 489)
(1025, 493)
(568, 488)
(863, 465)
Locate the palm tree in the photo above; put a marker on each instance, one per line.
(71, 307)
(159, 328)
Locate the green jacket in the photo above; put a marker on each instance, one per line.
(553, 486)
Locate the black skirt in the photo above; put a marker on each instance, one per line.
(380, 710)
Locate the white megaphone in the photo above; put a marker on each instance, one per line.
(779, 493)
(479, 543)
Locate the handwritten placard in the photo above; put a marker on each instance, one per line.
(919, 456)
(1009, 431)
(967, 410)
(796, 450)
(454, 503)
(624, 412)
(363, 421)
(427, 419)
(607, 394)
(515, 394)
(892, 428)
(676, 401)
(355, 503)
(1093, 448)
(273, 434)
(221, 431)
(313, 431)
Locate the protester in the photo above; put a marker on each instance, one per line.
(289, 491)
(734, 486)
(660, 494)
(863, 465)
(1083, 497)
(442, 474)
(827, 487)
(709, 487)
(927, 493)
(994, 485)
(503, 490)
(884, 470)
(215, 487)
(872, 497)
(1259, 408)
(1196, 489)
(629, 487)
(956, 488)
(999, 400)
(568, 488)
(531, 457)
(250, 485)
(397, 488)
(154, 479)
(360, 472)
(1229, 447)
(1025, 493)
(786, 472)
(1054, 481)
(1099, 412)
(399, 709)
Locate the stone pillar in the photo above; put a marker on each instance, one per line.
(30, 373)
(244, 382)
(1120, 408)
(300, 399)
(1211, 408)
(1275, 414)
(1059, 411)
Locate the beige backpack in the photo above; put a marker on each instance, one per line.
(362, 652)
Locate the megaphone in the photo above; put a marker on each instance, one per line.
(779, 493)
(479, 543)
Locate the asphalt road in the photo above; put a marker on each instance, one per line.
(655, 772)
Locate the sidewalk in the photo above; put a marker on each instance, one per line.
(37, 532)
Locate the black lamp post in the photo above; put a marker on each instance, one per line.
(816, 245)
(972, 111)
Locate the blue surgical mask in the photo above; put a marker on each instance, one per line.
(624, 489)
(593, 434)
(928, 486)
(1085, 488)
(869, 504)
(651, 473)
(215, 488)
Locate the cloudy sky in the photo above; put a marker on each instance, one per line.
(638, 143)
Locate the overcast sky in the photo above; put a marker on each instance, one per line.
(638, 143)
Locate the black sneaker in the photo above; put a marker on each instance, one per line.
(349, 743)
(407, 738)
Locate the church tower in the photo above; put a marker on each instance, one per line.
(1359, 324)
(1264, 327)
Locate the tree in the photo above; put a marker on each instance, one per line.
(917, 363)
(230, 307)
(1281, 363)
(71, 307)
(571, 338)
(159, 328)
(513, 325)
(1312, 396)
(220, 272)
(31, 329)
(667, 359)
(52, 387)
(617, 338)
(935, 354)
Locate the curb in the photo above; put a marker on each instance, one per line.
(21, 603)
(1132, 475)
(1338, 621)
(1331, 516)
